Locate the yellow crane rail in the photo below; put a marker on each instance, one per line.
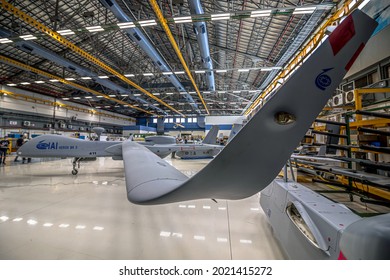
(164, 24)
(308, 49)
(56, 36)
(21, 65)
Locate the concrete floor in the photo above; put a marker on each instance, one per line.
(47, 213)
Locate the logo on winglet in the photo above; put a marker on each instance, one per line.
(323, 80)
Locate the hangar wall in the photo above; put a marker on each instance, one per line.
(376, 50)
(22, 106)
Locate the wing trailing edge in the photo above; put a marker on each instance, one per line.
(258, 152)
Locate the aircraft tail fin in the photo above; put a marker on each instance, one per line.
(235, 129)
(211, 136)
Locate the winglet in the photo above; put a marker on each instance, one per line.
(258, 152)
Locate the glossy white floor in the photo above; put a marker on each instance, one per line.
(47, 213)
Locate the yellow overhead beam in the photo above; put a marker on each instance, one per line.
(307, 50)
(56, 36)
(18, 64)
(164, 24)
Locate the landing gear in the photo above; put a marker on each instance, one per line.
(76, 162)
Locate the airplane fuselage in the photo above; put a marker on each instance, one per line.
(60, 146)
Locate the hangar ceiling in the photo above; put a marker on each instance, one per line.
(231, 51)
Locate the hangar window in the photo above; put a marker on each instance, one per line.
(170, 120)
(182, 120)
(155, 120)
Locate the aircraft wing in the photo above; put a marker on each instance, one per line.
(258, 152)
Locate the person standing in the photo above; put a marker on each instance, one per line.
(19, 143)
(3, 150)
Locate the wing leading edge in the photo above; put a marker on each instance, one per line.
(258, 152)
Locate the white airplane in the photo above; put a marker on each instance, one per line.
(206, 149)
(254, 157)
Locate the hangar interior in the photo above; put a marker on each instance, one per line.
(179, 68)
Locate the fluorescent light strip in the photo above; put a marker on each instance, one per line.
(5, 40)
(86, 78)
(54, 81)
(65, 32)
(126, 25)
(39, 82)
(304, 10)
(179, 72)
(12, 85)
(169, 93)
(167, 73)
(25, 83)
(262, 13)
(220, 16)
(183, 21)
(147, 22)
(129, 75)
(200, 71)
(243, 70)
(70, 79)
(137, 94)
(103, 77)
(89, 97)
(94, 28)
(221, 71)
(183, 93)
(148, 74)
(28, 37)
(156, 93)
(112, 95)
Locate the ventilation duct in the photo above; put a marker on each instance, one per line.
(200, 30)
(137, 36)
(38, 50)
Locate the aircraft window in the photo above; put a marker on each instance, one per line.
(300, 223)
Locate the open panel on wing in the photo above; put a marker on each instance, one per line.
(258, 152)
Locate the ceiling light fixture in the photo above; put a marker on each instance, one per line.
(200, 71)
(182, 19)
(94, 28)
(220, 16)
(148, 74)
(221, 71)
(28, 37)
(65, 32)
(179, 72)
(128, 75)
(123, 25)
(103, 77)
(261, 13)
(147, 22)
(304, 10)
(5, 40)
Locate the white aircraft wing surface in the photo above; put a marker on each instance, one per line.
(258, 152)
